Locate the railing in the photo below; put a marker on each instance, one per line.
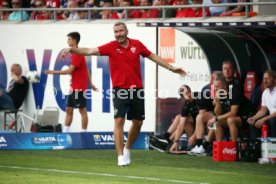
(163, 8)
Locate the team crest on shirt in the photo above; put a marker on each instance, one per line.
(133, 49)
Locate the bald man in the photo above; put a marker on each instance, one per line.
(17, 89)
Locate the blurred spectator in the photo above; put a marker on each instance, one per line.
(192, 12)
(234, 9)
(83, 14)
(18, 15)
(53, 3)
(37, 15)
(109, 14)
(216, 10)
(93, 3)
(134, 14)
(169, 12)
(118, 3)
(48, 15)
(134, 2)
(44, 15)
(63, 3)
(73, 15)
(149, 13)
(4, 15)
(181, 11)
(267, 113)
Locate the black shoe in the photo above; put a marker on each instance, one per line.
(161, 138)
(209, 150)
(157, 143)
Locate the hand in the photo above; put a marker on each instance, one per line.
(180, 71)
(174, 147)
(65, 51)
(251, 121)
(258, 124)
(94, 88)
(215, 100)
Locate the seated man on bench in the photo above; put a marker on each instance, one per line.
(17, 90)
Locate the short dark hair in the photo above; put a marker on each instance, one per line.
(182, 89)
(228, 61)
(75, 36)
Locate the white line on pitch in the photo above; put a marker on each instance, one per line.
(101, 174)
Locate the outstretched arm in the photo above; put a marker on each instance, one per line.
(157, 59)
(81, 51)
(61, 72)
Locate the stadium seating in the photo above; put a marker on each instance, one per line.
(10, 119)
(251, 81)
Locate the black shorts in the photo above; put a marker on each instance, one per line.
(129, 102)
(76, 99)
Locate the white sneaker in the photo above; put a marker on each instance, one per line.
(127, 156)
(192, 152)
(121, 161)
(199, 151)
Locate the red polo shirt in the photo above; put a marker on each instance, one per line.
(79, 80)
(124, 64)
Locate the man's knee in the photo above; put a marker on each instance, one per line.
(137, 123)
(69, 111)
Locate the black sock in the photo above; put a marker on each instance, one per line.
(198, 142)
(167, 136)
(206, 144)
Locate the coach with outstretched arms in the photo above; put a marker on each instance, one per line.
(128, 93)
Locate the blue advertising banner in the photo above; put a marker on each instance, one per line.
(48, 141)
(41, 141)
(105, 140)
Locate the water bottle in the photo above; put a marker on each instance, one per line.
(265, 133)
(146, 142)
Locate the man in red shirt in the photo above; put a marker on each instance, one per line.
(193, 12)
(80, 78)
(150, 13)
(128, 95)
